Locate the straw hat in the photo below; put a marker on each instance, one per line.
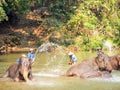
(23, 55)
(70, 53)
(31, 49)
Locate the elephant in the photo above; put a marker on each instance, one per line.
(102, 61)
(115, 62)
(86, 69)
(107, 63)
(20, 71)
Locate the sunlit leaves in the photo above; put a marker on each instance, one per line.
(96, 15)
(2, 14)
(18, 6)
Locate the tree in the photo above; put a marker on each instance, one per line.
(8, 7)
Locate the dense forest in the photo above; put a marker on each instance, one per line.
(84, 24)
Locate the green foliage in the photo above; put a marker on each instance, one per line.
(116, 40)
(84, 23)
(99, 16)
(39, 42)
(63, 9)
(2, 12)
(68, 42)
(2, 15)
(16, 6)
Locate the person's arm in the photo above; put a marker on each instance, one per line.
(17, 60)
(28, 55)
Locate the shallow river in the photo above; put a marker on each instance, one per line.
(47, 74)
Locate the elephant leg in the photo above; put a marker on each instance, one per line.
(109, 67)
(106, 74)
(6, 74)
(17, 77)
(72, 74)
(30, 75)
(91, 74)
(25, 75)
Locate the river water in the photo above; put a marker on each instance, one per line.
(48, 70)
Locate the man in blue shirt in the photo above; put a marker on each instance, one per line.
(99, 51)
(31, 54)
(73, 58)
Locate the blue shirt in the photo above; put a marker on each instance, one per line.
(31, 56)
(73, 58)
(17, 60)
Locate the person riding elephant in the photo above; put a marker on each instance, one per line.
(107, 63)
(30, 54)
(86, 69)
(20, 71)
(102, 61)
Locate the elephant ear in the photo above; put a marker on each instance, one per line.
(95, 63)
(20, 62)
(106, 58)
(118, 59)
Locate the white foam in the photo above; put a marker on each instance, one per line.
(114, 79)
(45, 74)
(42, 83)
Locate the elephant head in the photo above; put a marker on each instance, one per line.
(24, 68)
(103, 62)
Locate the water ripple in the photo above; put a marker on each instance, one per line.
(114, 79)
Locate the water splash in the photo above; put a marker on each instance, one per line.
(55, 59)
(45, 74)
(113, 79)
(108, 45)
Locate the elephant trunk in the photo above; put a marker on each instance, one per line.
(25, 75)
(109, 68)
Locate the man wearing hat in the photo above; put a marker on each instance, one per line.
(31, 54)
(73, 58)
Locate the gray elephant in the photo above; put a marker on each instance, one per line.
(86, 69)
(107, 63)
(115, 62)
(20, 71)
(102, 61)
